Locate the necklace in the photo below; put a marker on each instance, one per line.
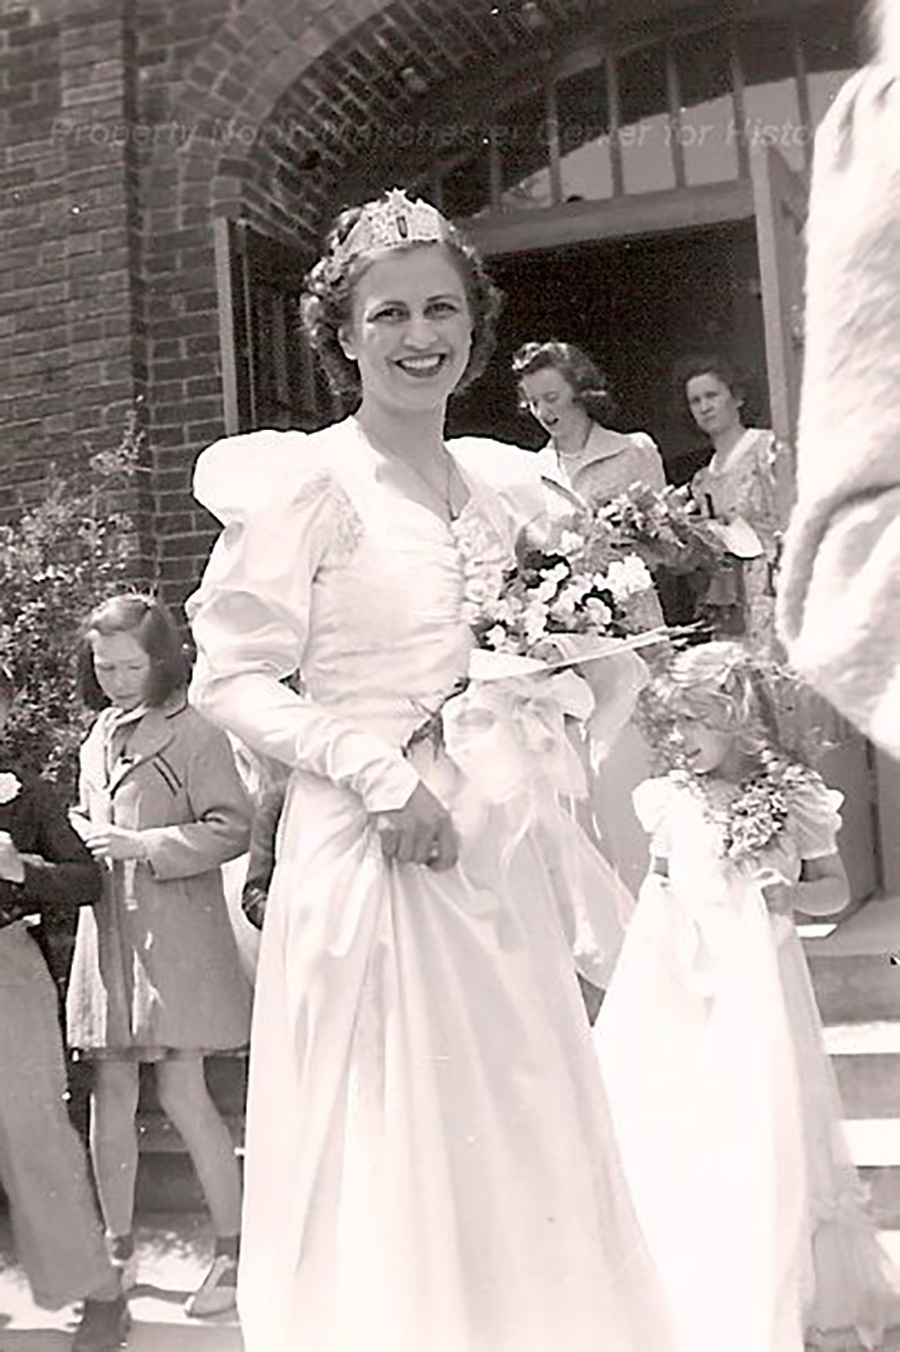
(444, 493)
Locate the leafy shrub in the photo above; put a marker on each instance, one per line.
(59, 559)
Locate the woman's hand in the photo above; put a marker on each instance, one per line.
(780, 897)
(114, 842)
(545, 650)
(420, 832)
(12, 865)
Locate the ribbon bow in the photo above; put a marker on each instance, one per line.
(509, 736)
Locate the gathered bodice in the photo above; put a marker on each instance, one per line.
(324, 570)
(387, 635)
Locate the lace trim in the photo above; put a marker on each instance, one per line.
(346, 527)
(484, 558)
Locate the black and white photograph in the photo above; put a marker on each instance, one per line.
(450, 675)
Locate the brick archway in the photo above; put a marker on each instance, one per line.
(254, 92)
(237, 80)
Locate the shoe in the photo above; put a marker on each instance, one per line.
(123, 1257)
(217, 1292)
(103, 1327)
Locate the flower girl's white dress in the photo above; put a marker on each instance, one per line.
(723, 1098)
(430, 1161)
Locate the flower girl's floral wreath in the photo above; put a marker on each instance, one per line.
(728, 688)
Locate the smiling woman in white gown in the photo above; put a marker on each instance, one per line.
(430, 1163)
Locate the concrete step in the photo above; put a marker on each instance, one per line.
(855, 988)
(866, 1060)
(166, 1179)
(858, 991)
(852, 973)
(157, 1135)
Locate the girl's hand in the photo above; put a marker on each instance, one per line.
(80, 823)
(420, 832)
(12, 865)
(114, 842)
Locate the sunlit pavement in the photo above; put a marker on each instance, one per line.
(174, 1254)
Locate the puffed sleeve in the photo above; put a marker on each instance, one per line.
(652, 802)
(838, 583)
(283, 512)
(815, 818)
(763, 508)
(512, 494)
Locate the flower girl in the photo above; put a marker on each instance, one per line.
(722, 1096)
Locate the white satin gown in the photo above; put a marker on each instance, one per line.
(430, 1161)
(724, 1100)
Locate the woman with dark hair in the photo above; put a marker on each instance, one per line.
(740, 489)
(562, 389)
(586, 462)
(429, 1160)
(156, 976)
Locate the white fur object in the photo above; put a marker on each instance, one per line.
(839, 604)
(888, 30)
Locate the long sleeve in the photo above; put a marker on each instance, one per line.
(261, 861)
(60, 874)
(263, 835)
(283, 511)
(221, 828)
(838, 592)
(764, 512)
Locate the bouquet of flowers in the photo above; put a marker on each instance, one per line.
(754, 819)
(663, 527)
(553, 590)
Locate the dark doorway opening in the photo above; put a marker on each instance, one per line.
(636, 306)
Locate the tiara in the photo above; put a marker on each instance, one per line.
(391, 223)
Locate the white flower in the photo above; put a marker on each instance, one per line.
(507, 610)
(535, 621)
(579, 587)
(546, 590)
(480, 589)
(496, 637)
(626, 577)
(10, 787)
(599, 614)
(570, 542)
(563, 607)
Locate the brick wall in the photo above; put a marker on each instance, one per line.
(217, 150)
(71, 332)
(126, 126)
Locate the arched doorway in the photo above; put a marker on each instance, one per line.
(635, 305)
(606, 171)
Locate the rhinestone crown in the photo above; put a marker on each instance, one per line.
(391, 223)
